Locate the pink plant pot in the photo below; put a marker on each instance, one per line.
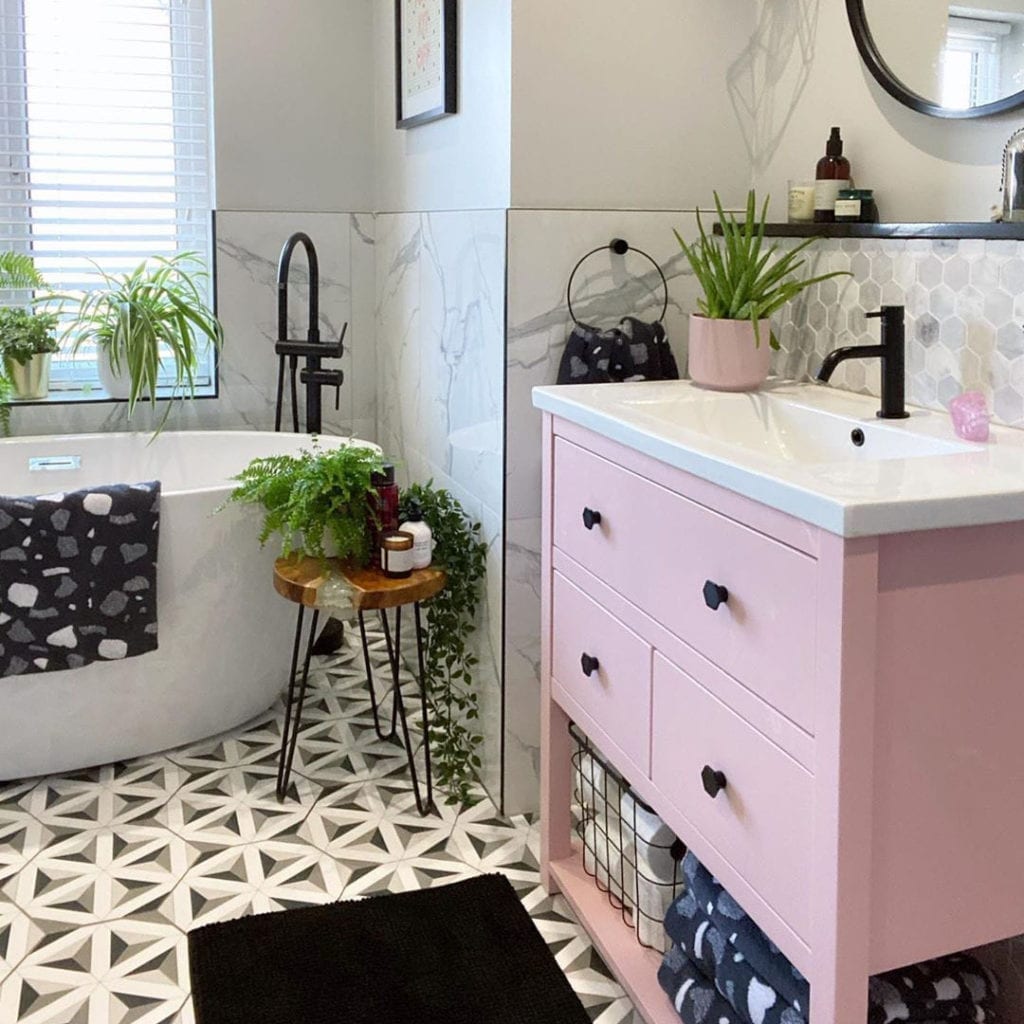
(725, 355)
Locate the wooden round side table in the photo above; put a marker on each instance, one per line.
(300, 580)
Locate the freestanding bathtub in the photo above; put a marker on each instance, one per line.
(225, 635)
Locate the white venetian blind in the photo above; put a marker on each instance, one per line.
(105, 112)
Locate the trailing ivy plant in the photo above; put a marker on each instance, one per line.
(312, 496)
(451, 623)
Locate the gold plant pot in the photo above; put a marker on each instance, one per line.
(31, 381)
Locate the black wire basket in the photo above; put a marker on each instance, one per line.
(631, 855)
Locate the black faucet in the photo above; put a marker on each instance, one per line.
(314, 376)
(893, 355)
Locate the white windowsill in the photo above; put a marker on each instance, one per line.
(97, 395)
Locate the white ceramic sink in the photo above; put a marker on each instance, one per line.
(777, 427)
(793, 447)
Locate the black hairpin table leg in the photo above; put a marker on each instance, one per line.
(296, 699)
(369, 683)
(394, 648)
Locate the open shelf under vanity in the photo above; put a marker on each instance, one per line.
(636, 967)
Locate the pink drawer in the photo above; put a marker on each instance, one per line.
(604, 668)
(761, 821)
(661, 551)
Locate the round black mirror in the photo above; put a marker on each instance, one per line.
(944, 59)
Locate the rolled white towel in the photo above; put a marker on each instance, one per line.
(603, 859)
(591, 783)
(652, 900)
(652, 851)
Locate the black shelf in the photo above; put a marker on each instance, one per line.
(964, 229)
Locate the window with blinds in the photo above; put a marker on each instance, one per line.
(105, 119)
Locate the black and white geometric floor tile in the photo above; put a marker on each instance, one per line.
(102, 873)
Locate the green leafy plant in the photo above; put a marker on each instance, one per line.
(24, 334)
(138, 317)
(6, 391)
(316, 494)
(18, 271)
(741, 280)
(451, 623)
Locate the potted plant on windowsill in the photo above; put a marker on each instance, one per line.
(27, 343)
(730, 338)
(147, 323)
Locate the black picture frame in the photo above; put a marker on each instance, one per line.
(449, 100)
(891, 83)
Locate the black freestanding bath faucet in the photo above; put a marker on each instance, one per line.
(893, 355)
(313, 375)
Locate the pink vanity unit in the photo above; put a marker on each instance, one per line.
(837, 628)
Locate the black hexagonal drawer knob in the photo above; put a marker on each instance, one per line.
(589, 664)
(591, 518)
(714, 781)
(715, 595)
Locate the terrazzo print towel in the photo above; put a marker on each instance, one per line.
(766, 959)
(952, 988)
(78, 577)
(753, 1001)
(944, 990)
(693, 996)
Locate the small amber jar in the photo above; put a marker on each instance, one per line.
(396, 554)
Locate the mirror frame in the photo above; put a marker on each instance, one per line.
(891, 83)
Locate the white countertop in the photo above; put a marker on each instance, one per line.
(789, 447)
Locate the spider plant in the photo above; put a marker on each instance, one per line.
(139, 320)
(742, 280)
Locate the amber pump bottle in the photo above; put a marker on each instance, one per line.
(833, 174)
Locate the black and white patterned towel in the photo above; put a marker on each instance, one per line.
(696, 1000)
(753, 1000)
(767, 960)
(760, 983)
(78, 577)
(692, 994)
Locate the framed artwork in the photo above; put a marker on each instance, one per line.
(426, 60)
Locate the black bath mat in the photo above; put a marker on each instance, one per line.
(465, 953)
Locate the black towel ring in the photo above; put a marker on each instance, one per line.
(620, 247)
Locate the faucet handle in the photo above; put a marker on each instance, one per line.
(885, 312)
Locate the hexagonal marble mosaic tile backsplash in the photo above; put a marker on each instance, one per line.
(965, 310)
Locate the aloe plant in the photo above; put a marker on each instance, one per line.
(136, 317)
(741, 279)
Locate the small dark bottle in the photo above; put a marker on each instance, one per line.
(383, 507)
(832, 175)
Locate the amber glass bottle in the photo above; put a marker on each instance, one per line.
(833, 174)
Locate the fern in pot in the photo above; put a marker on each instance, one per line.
(139, 319)
(27, 343)
(744, 284)
(27, 338)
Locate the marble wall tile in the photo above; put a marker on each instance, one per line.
(440, 323)
(248, 246)
(543, 247)
(964, 302)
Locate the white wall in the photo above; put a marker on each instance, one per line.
(922, 168)
(911, 36)
(615, 108)
(293, 104)
(456, 163)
